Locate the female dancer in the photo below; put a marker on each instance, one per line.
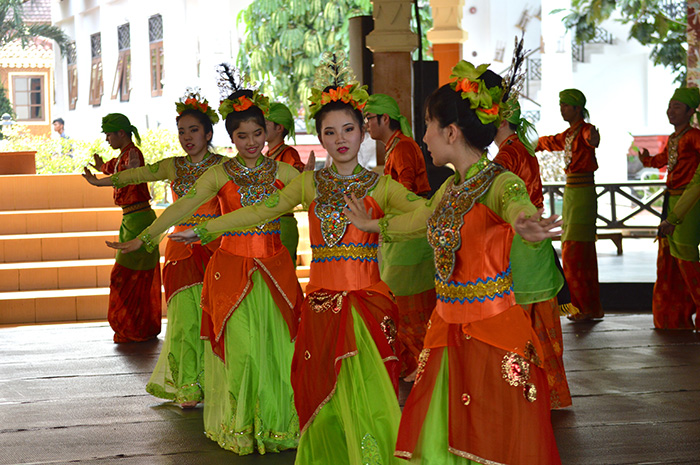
(480, 395)
(251, 296)
(178, 374)
(344, 371)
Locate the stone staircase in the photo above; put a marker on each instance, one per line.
(54, 264)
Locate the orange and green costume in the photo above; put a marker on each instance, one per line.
(536, 288)
(179, 372)
(480, 395)
(677, 290)
(250, 309)
(579, 216)
(135, 305)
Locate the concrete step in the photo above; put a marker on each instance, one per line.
(64, 274)
(55, 305)
(48, 191)
(59, 220)
(56, 246)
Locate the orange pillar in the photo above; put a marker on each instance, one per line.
(447, 35)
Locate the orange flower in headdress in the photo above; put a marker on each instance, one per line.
(243, 103)
(490, 111)
(465, 85)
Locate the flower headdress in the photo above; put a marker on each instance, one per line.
(334, 72)
(193, 100)
(484, 101)
(510, 108)
(230, 82)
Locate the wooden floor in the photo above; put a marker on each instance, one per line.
(69, 395)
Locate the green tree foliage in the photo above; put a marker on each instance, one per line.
(285, 39)
(659, 23)
(13, 27)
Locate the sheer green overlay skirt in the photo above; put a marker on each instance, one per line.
(179, 372)
(249, 401)
(360, 422)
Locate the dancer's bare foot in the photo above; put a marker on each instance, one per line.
(189, 404)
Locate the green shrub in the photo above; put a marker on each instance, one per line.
(54, 156)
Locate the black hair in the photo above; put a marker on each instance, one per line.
(334, 106)
(393, 124)
(58, 120)
(446, 106)
(235, 118)
(201, 118)
(512, 126)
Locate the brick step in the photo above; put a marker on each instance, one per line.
(59, 220)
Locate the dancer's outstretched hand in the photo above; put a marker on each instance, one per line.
(360, 217)
(311, 162)
(94, 180)
(126, 247)
(187, 236)
(536, 228)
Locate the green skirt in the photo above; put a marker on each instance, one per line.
(179, 372)
(408, 267)
(249, 401)
(579, 214)
(132, 225)
(437, 452)
(359, 424)
(536, 277)
(289, 235)
(686, 237)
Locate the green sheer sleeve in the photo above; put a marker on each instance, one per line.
(508, 197)
(412, 224)
(158, 171)
(690, 196)
(300, 190)
(206, 187)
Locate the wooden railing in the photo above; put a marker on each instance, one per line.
(626, 209)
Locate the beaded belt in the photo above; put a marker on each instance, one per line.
(135, 207)
(579, 179)
(452, 291)
(362, 252)
(273, 227)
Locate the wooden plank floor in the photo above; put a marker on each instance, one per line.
(69, 395)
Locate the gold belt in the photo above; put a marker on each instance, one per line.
(579, 180)
(135, 207)
(675, 191)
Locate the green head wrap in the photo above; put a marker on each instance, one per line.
(688, 95)
(527, 134)
(575, 98)
(114, 122)
(381, 104)
(280, 114)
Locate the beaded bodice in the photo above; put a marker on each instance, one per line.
(329, 204)
(254, 184)
(444, 226)
(187, 172)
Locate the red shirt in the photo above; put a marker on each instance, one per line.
(513, 156)
(686, 163)
(134, 193)
(582, 153)
(285, 153)
(405, 163)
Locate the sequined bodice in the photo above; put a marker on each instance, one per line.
(445, 224)
(187, 172)
(331, 187)
(254, 184)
